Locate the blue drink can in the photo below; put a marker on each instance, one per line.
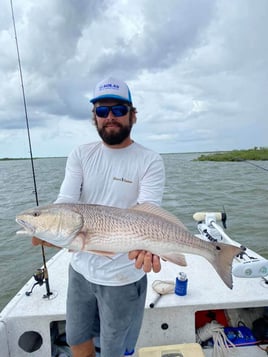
(181, 284)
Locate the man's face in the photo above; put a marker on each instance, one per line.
(114, 130)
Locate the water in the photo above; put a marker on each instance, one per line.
(191, 186)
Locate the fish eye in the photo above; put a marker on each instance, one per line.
(36, 214)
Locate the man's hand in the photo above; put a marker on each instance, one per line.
(37, 241)
(145, 260)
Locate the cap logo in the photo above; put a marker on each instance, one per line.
(108, 86)
(111, 88)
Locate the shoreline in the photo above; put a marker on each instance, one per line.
(256, 154)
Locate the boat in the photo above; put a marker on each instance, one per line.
(203, 317)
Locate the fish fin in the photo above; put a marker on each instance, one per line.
(158, 211)
(100, 252)
(175, 258)
(223, 259)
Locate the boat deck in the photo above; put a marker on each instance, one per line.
(206, 291)
(33, 313)
(171, 321)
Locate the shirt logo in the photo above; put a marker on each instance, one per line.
(122, 179)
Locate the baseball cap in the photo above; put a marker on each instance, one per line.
(111, 88)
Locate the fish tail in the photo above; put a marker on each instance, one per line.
(222, 260)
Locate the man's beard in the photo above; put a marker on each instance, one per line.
(115, 138)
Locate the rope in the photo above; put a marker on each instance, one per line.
(215, 331)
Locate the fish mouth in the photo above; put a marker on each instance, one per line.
(27, 228)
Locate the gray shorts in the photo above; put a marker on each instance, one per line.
(114, 313)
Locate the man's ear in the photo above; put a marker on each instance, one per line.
(134, 117)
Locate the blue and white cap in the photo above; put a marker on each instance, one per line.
(111, 88)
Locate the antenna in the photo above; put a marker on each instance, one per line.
(29, 142)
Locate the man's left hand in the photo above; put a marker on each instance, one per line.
(145, 260)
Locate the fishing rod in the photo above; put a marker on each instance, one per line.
(45, 271)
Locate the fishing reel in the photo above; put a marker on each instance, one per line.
(39, 277)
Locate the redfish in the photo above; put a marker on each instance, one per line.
(109, 230)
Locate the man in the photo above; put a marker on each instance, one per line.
(106, 296)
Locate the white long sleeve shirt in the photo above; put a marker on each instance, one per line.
(122, 178)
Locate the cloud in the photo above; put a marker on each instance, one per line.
(197, 71)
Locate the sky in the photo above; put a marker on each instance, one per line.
(197, 71)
